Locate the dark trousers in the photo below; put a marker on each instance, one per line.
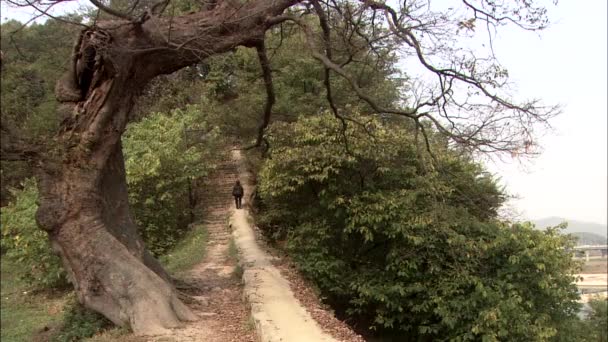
(237, 201)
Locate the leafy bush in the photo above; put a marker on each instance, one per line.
(27, 245)
(592, 328)
(80, 323)
(597, 322)
(406, 246)
(160, 166)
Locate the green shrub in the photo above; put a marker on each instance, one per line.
(592, 328)
(80, 323)
(160, 165)
(597, 321)
(27, 245)
(409, 247)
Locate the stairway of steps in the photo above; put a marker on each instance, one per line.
(215, 201)
(215, 292)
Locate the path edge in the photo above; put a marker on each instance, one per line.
(253, 268)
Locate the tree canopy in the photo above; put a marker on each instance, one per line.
(406, 249)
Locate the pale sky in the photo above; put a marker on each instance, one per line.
(566, 64)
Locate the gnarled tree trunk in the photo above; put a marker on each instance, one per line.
(83, 194)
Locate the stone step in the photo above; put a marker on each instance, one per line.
(219, 201)
(223, 175)
(209, 225)
(219, 238)
(216, 237)
(215, 200)
(215, 216)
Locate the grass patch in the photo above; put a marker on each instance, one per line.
(188, 252)
(24, 313)
(250, 324)
(233, 252)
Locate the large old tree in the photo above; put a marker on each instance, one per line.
(81, 177)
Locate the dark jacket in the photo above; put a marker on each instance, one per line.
(237, 190)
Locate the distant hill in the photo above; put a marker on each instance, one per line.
(590, 239)
(588, 233)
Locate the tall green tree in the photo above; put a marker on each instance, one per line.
(161, 165)
(409, 247)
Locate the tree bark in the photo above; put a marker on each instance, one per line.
(83, 201)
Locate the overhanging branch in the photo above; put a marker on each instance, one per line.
(270, 96)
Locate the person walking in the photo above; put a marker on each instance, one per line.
(237, 192)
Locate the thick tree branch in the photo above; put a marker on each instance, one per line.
(270, 95)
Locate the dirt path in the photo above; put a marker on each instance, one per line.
(277, 313)
(216, 289)
(271, 311)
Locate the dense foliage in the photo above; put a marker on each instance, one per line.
(161, 166)
(33, 58)
(407, 247)
(79, 323)
(25, 244)
(597, 322)
(592, 328)
(236, 93)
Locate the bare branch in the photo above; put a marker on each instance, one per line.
(536, 15)
(112, 11)
(475, 130)
(43, 12)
